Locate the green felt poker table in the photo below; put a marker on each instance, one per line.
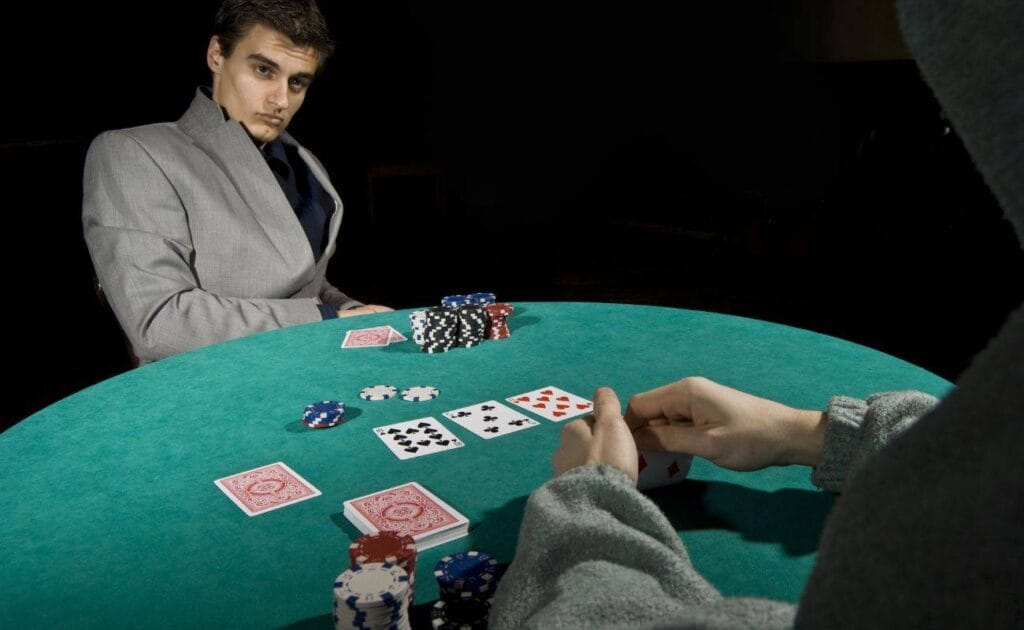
(109, 515)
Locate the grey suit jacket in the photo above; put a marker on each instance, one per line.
(192, 238)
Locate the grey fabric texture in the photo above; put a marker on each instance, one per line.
(595, 553)
(928, 530)
(857, 429)
(193, 239)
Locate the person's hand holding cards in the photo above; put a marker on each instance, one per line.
(733, 429)
(601, 438)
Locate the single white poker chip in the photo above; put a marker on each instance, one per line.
(420, 394)
(378, 392)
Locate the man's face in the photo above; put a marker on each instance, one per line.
(264, 81)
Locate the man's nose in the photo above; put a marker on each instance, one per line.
(278, 97)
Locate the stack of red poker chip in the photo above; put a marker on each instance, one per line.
(386, 546)
(499, 314)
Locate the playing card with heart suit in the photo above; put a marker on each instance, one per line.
(490, 419)
(415, 438)
(552, 403)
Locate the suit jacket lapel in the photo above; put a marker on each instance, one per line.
(228, 144)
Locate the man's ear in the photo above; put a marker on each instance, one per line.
(214, 55)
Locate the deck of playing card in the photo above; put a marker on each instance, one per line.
(266, 488)
(409, 509)
(552, 403)
(658, 468)
(490, 419)
(415, 438)
(371, 337)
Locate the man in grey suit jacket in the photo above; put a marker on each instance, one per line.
(221, 225)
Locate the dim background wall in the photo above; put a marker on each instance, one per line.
(778, 160)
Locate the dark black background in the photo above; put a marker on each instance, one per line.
(778, 160)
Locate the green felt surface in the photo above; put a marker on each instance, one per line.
(110, 516)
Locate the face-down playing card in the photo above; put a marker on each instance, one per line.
(409, 509)
(490, 419)
(415, 438)
(266, 488)
(552, 403)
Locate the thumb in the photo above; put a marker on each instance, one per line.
(607, 408)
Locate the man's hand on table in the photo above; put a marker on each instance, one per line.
(601, 438)
(367, 309)
(730, 428)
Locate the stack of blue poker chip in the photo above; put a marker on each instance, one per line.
(482, 299)
(467, 575)
(323, 415)
(372, 595)
(452, 301)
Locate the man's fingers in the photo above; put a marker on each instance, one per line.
(674, 438)
(668, 402)
(606, 405)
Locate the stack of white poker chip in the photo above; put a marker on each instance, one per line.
(378, 392)
(372, 595)
(418, 320)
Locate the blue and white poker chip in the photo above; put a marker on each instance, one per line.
(378, 392)
(420, 393)
(324, 414)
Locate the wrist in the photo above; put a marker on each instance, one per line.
(805, 438)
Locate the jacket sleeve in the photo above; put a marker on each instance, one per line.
(333, 296)
(594, 552)
(139, 238)
(857, 429)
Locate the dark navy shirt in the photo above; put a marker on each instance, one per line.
(313, 206)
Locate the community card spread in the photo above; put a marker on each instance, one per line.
(490, 419)
(415, 438)
(658, 468)
(266, 488)
(367, 337)
(409, 509)
(552, 403)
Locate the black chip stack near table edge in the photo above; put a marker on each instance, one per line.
(461, 321)
(466, 581)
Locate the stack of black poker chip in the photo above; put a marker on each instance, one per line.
(441, 330)
(473, 324)
(466, 582)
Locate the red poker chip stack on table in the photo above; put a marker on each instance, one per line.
(390, 547)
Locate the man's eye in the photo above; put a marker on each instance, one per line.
(298, 84)
(262, 70)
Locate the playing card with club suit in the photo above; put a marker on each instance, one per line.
(415, 438)
(658, 468)
(490, 419)
(266, 488)
(367, 337)
(409, 509)
(552, 403)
